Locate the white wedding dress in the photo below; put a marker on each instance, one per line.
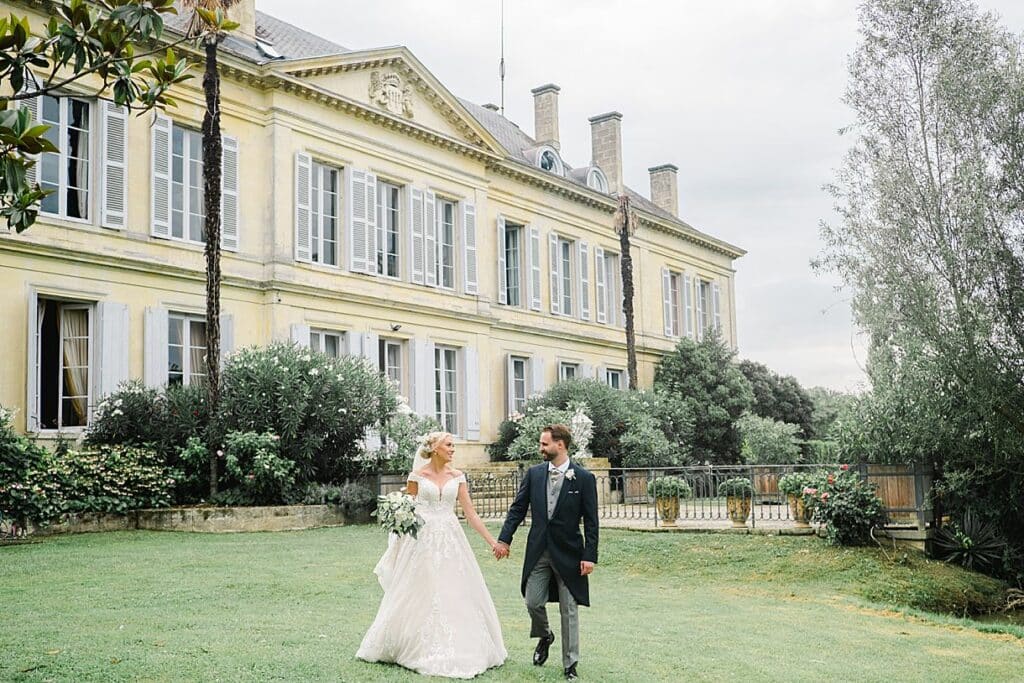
(437, 617)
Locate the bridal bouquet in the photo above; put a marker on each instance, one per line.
(397, 514)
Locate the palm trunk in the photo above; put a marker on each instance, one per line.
(211, 197)
(625, 227)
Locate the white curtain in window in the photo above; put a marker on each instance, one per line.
(197, 350)
(74, 325)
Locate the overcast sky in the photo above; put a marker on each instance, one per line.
(742, 95)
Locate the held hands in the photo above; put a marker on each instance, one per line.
(586, 568)
(500, 550)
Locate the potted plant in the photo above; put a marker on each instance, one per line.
(738, 494)
(794, 486)
(667, 491)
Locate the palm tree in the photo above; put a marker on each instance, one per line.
(208, 24)
(625, 225)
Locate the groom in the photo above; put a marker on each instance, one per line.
(558, 558)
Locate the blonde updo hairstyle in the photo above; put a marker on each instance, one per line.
(428, 444)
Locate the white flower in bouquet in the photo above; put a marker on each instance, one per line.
(396, 512)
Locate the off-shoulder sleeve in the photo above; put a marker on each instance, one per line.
(461, 478)
(414, 477)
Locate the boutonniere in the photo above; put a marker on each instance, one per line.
(570, 474)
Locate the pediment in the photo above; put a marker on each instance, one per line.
(394, 81)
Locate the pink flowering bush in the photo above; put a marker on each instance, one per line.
(112, 479)
(846, 506)
(26, 492)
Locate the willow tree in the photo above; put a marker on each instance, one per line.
(209, 25)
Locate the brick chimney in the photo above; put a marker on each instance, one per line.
(665, 188)
(545, 114)
(606, 147)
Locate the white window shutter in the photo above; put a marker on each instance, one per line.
(112, 345)
(114, 202)
(584, 281)
(700, 308)
(534, 262)
(554, 263)
(354, 344)
(371, 223)
(471, 360)
(417, 231)
(586, 371)
(227, 336)
(31, 173)
(32, 364)
(469, 247)
(666, 299)
(300, 334)
(160, 174)
(716, 305)
(371, 348)
(303, 207)
(599, 274)
(510, 391)
(422, 394)
(229, 208)
(155, 340)
(430, 237)
(357, 210)
(502, 275)
(688, 305)
(537, 384)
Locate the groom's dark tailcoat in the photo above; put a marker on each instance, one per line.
(559, 535)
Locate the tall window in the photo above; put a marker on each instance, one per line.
(388, 222)
(445, 388)
(324, 215)
(612, 286)
(613, 378)
(446, 244)
(326, 342)
(513, 264)
(565, 249)
(568, 371)
(63, 376)
(517, 377)
(186, 349)
(66, 172)
(676, 308)
(390, 353)
(187, 207)
(705, 309)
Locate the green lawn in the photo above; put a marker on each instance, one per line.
(294, 606)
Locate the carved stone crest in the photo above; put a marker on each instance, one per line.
(388, 91)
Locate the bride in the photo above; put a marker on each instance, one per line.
(436, 617)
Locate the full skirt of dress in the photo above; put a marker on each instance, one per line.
(437, 616)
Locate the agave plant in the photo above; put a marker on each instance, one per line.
(973, 544)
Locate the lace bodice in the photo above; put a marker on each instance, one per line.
(430, 497)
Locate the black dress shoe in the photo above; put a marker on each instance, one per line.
(540, 654)
(570, 673)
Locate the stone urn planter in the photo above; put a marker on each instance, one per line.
(799, 510)
(667, 491)
(739, 494)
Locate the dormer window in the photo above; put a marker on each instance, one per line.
(597, 181)
(548, 161)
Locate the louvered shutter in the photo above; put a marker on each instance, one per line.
(417, 219)
(114, 203)
(471, 361)
(599, 276)
(112, 345)
(155, 341)
(535, 268)
(430, 237)
(357, 212)
(666, 300)
(160, 174)
(553, 264)
(469, 266)
(229, 209)
(584, 286)
(502, 265)
(303, 207)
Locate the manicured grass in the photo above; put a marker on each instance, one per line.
(294, 606)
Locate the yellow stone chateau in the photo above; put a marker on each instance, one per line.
(367, 210)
